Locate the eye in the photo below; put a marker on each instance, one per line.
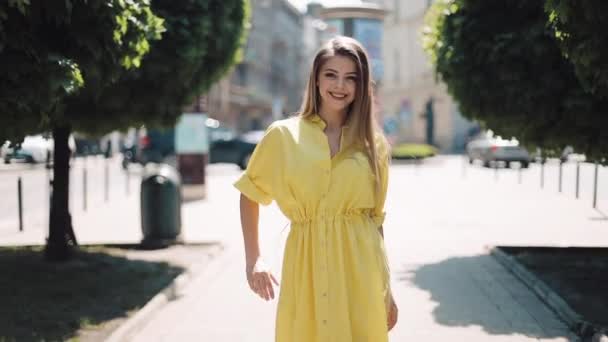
(330, 75)
(352, 78)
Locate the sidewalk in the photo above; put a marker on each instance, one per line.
(437, 230)
(446, 284)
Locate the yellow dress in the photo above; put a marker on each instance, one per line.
(335, 279)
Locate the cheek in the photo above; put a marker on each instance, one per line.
(352, 90)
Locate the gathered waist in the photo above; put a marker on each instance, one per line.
(330, 216)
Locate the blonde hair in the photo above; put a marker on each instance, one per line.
(363, 132)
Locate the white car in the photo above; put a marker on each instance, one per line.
(34, 149)
(492, 150)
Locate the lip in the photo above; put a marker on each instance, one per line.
(337, 96)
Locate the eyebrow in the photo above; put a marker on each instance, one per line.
(336, 71)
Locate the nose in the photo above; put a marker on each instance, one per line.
(340, 82)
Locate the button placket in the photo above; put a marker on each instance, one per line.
(323, 297)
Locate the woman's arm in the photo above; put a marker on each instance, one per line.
(258, 276)
(250, 213)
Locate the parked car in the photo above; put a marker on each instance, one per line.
(225, 144)
(34, 149)
(491, 150)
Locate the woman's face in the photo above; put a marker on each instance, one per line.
(337, 83)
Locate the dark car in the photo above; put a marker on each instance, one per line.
(225, 145)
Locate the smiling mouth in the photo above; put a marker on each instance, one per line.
(337, 96)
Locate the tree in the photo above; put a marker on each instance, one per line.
(201, 42)
(54, 52)
(501, 63)
(580, 28)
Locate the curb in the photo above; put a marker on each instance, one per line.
(127, 330)
(575, 322)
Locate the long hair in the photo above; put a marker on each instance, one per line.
(363, 132)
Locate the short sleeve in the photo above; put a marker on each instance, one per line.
(383, 152)
(258, 181)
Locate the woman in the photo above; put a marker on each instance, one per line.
(327, 169)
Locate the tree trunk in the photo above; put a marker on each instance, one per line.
(59, 245)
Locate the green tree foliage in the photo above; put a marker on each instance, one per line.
(501, 63)
(202, 41)
(580, 28)
(52, 52)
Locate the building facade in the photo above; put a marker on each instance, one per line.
(416, 108)
(268, 83)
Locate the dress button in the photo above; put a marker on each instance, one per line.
(324, 321)
(324, 294)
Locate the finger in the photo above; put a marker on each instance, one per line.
(269, 279)
(274, 279)
(264, 289)
(262, 286)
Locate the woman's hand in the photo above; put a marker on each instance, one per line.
(393, 315)
(260, 280)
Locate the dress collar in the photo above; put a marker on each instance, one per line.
(317, 120)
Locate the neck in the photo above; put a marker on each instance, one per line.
(333, 119)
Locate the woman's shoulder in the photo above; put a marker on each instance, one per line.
(285, 126)
(282, 130)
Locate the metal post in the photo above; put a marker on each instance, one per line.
(20, 201)
(595, 181)
(496, 171)
(464, 167)
(107, 181)
(84, 189)
(128, 181)
(560, 176)
(542, 174)
(578, 178)
(519, 172)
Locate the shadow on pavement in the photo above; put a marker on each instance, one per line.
(59, 301)
(467, 293)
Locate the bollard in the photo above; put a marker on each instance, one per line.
(106, 182)
(128, 181)
(464, 167)
(20, 201)
(578, 172)
(84, 189)
(560, 177)
(495, 171)
(519, 172)
(542, 174)
(595, 181)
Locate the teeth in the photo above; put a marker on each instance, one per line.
(337, 96)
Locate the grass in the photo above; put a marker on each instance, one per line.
(578, 274)
(413, 151)
(44, 301)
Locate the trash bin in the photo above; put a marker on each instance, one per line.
(160, 205)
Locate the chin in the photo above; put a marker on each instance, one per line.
(339, 106)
